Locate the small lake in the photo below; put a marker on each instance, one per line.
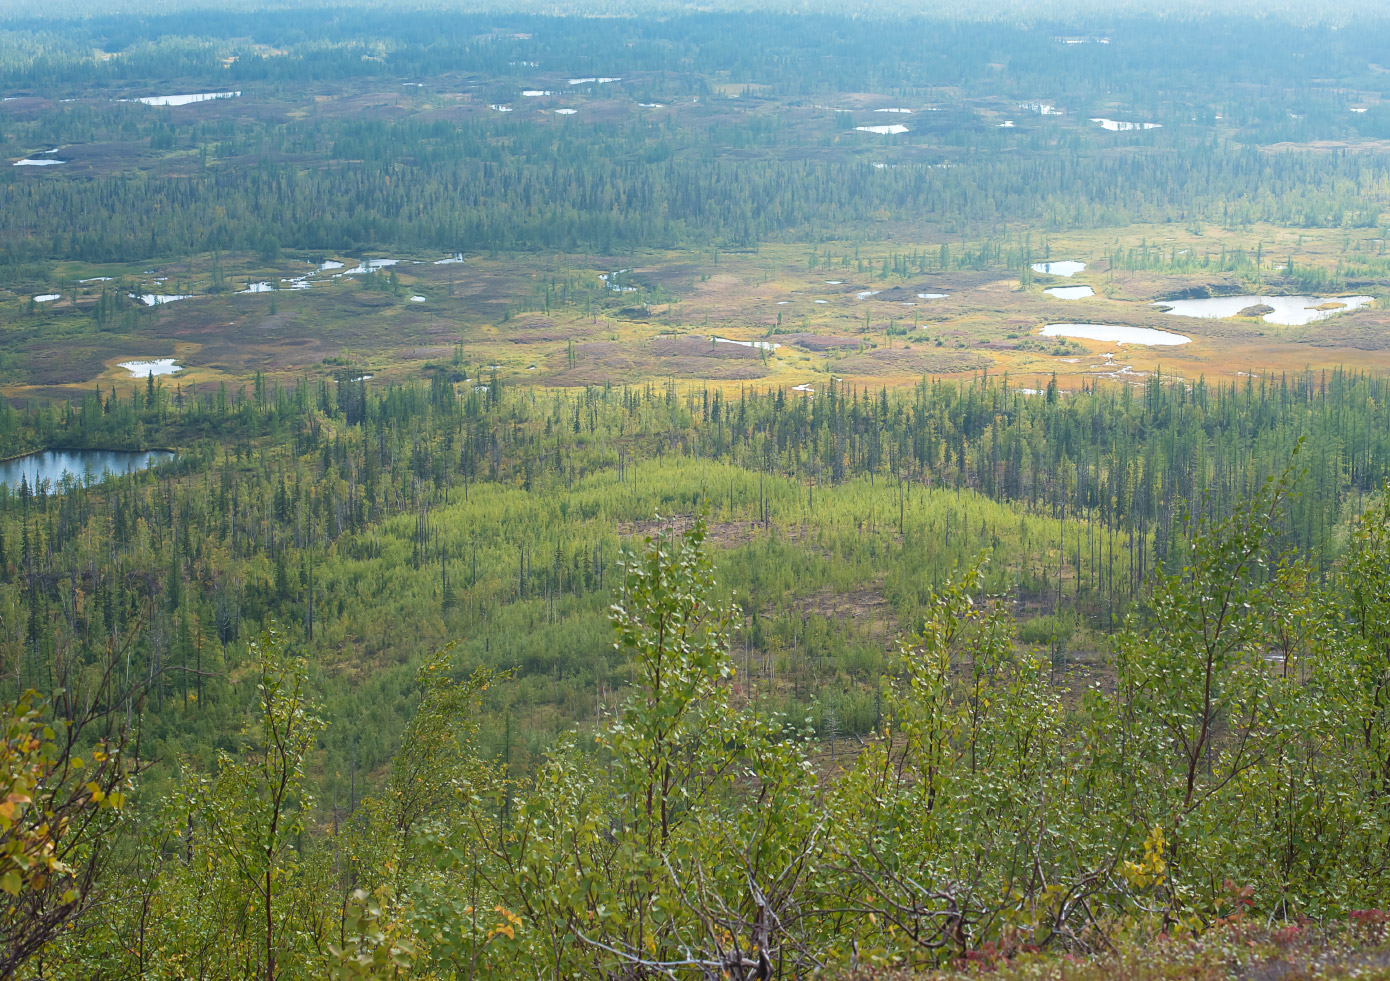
(158, 299)
(47, 297)
(761, 345)
(892, 130)
(1067, 267)
(1070, 292)
(31, 162)
(155, 366)
(1123, 125)
(186, 99)
(88, 466)
(1290, 311)
(371, 265)
(1116, 334)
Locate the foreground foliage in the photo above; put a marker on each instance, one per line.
(1232, 774)
(1296, 952)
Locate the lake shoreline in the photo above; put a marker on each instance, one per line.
(87, 449)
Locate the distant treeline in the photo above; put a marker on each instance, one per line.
(499, 185)
(791, 54)
(737, 168)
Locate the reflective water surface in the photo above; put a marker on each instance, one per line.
(86, 466)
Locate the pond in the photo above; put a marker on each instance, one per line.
(370, 266)
(761, 345)
(892, 130)
(1290, 311)
(158, 299)
(186, 99)
(1070, 292)
(88, 466)
(31, 162)
(1067, 267)
(1123, 125)
(1116, 334)
(154, 366)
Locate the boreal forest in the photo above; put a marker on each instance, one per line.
(653, 492)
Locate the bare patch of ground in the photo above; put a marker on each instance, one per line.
(73, 363)
(859, 605)
(1362, 330)
(720, 534)
(543, 332)
(922, 361)
(825, 342)
(699, 347)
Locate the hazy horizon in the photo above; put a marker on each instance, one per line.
(1019, 11)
